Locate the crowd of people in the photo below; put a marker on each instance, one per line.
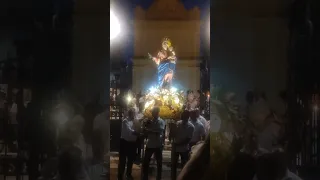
(185, 133)
(258, 149)
(68, 140)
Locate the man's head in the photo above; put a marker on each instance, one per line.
(155, 112)
(131, 113)
(185, 116)
(193, 115)
(197, 112)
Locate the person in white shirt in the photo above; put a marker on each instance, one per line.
(183, 134)
(155, 135)
(128, 146)
(140, 141)
(199, 131)
(203, 121)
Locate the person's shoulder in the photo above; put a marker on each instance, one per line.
(199, 123)
(190, 124)
(161, 120)
(125, 120)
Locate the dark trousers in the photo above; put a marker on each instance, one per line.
(146, 162)
(184, 158)
(127, 155)
(139, 147)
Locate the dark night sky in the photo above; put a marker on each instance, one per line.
(127, 14)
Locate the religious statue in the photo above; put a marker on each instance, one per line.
(166, 62)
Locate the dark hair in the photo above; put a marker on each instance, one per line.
(185, 115)
(156, 108)
(131, 111)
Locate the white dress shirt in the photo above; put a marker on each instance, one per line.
(204, 122)
(199, 131)
(127, 130)
(137, 125)
(155, 140)
(184, 131)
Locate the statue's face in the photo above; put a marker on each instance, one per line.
(164, 46)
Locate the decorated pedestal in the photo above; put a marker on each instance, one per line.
(169, 101)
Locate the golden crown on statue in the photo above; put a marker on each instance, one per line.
(167, 41)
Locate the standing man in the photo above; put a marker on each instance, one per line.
(127, 145)
(140, 141)
(199, 131)
(183, 135)
(155, 134)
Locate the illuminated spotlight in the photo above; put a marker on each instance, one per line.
(152, 90)
(173, 89)
(129, 98)
(114, 26)
(176, 100)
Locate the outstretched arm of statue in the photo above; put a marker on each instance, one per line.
(156, 60)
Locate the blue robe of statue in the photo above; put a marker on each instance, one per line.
(165, 67)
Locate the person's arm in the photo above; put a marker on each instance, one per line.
(126, 127)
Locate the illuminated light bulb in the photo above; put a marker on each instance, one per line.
(115, 28)
(176, 100)
(129, 98)
(152, 90)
